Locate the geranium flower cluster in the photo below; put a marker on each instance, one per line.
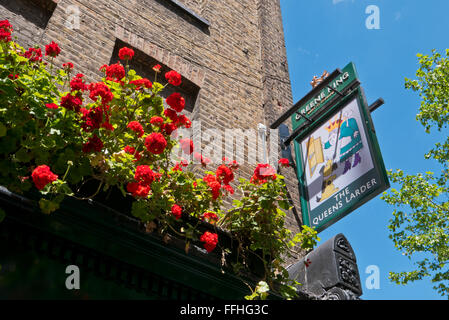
(137, 128)
(131, 150)
(143, 177)
(283, 162)
(52, 49)
(210, 217)
(33, 54)
(224, 175)
(114, 72)
(177, 105)
(5, 31)
(119, 133)
(155, 143)
(42, 176)
(146, 138)
(263, 173)
(126, 53)
(209, 240)
(176, 211)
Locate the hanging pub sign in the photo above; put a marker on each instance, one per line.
(339, 163)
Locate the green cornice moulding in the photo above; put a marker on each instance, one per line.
(114, 235)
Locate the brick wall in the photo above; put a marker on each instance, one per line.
(238, 61)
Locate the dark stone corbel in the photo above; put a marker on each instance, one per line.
(329, 272)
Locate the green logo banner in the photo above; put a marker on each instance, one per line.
(312, 106)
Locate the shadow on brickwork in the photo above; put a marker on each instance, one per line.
(143, 65)
(38, 12)
(186, 13)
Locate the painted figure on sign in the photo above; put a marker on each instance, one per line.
(349, 140)
(327, 187)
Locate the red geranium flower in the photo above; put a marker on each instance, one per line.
(42, 176)
(176, 101)
(33, 54)
(213, 184)
(99, 89)
(92, 118)
(5, 31)
(6, 26)
(176, 211)
(228, 188)
(93, 144)
(155, 143)
(5, 36)
(169, 128)
(51, 105)
(209, 217)
(144, 174)
(210, 240)
(173, 78)
(52, 49)
(262, 173)
(224, 174)
(68, 66)
(157, 121)
(144, 82)
(171, 114)
(77, 83)
(131, 150)
(126, 53)
(183, 121)
(138, 189)
(157, 176)
(177, 167)
(115, 72)
(157, 68)
(284, 162)
(136, 127)
(71, 102)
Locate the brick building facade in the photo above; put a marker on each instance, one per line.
(231, 53)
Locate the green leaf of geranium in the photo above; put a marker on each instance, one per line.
(3, 130)
(48, 206)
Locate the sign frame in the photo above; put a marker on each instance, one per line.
(375, 153)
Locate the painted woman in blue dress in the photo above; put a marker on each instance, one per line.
(349, 141)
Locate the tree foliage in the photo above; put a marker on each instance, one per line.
(420, 223)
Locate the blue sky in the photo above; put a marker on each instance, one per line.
(327, 34)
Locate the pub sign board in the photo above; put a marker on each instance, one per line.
(339, 163)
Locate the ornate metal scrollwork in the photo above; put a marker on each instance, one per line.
(337, 293)
(348, 272)
(343, 244)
